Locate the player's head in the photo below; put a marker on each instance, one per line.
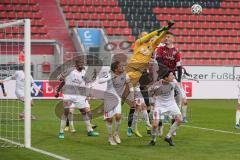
(168, 76)
(142, 34)
(117, 67)
(79, 64)
(169, 38)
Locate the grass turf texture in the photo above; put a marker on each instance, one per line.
(190, 143)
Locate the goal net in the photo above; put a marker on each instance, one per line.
(15, 121)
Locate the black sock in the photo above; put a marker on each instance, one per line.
(130, 117)
(148, 111)
(160, 124)
(67, 123)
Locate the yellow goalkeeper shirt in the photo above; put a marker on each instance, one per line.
(142, 53)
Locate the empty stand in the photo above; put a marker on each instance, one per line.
(20, 9)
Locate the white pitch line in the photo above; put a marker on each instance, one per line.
(36, 150)
(48, 153)
(209, 129)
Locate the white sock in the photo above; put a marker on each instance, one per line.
(87, 122)
(135, 119)
(70, 118)
(154, 134)
(184, 111)
(63, 123)
(109, 128)
(237, 117)
(117, 126)
(146, 118)
(172, 129)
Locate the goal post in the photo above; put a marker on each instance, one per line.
(13, 35)
(27, 69)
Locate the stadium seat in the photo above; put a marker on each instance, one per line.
(83, 9)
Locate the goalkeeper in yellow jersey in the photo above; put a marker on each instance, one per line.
(142, 52)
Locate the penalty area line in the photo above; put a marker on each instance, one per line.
(210, 129)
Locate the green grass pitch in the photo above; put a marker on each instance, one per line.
(191, 143)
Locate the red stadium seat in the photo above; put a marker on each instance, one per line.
(180, 25)
(214, 55)
(201, 62)
(114, 24)
(104, 2)
(63, 2)
(156, 10)
(221, 25)
(113, 3)
(119, 16)
(12, 15)
(126, 31)
(131, 38)
(185, 32)
(123, 24)
(197, 39)
(79, 2)
(32, 2)
(192, 32)
(116, 10)
(180, 39)
(94, 16)
(69, 16)
(102, 16)
(236, 25)
(71, 24)
(85, 16)
(201, 32)
(106, 23)
(99, 9)
(235, 62)
(111, 16)
(205, 25)
(108, 9)
(29, 15)
(83, 9)
(66, 9)
(218, 62)
(2, 8)
(212, 25)
(81, 24)
(88, 2)
(109, 31)
(9, 8)
(71, 2)
(96, 2)
(20, 15)
(189, 25)
(23, 1)
(176, 31)
(78, 16)
(188, 55)
(75, 9)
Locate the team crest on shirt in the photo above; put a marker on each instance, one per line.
(145, 51)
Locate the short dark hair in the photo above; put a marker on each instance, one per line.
(114, 65)
(170, 33)
(166, 74)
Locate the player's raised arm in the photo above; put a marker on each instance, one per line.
(146, 38)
